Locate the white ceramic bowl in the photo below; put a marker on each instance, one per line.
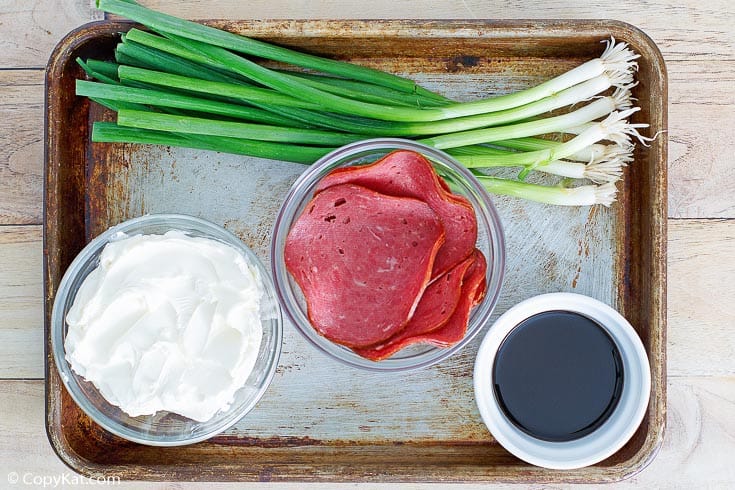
(613, 433)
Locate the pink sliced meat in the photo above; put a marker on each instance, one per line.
(473, 291)
(438, 301)
(362, 260)
(433, 311)
(453, 330)
(408, 174)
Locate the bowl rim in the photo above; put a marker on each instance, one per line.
(307, 179)
(615, 431)
(63, 367)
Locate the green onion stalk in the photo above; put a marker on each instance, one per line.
(593, 153)
(584, 195)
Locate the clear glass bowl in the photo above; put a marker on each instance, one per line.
(461, 181)
(164, 428)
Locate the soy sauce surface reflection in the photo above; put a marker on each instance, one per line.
(558, 376)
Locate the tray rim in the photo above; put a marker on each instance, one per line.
(539, 27)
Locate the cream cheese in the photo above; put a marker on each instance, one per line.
(167, 323)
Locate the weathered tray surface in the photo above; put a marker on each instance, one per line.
(320, 421)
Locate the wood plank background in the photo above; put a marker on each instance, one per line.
(698, 42)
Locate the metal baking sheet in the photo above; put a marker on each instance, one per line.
(319, 421)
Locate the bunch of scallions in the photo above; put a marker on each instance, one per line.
(182, 83)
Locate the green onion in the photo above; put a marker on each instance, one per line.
(198, 32)
(346, 91)
(160, 53)
(116, 105)
(153, 59)
(103, 132)
(355, 89)
(599, 108)
(591, 153)
(96, 74)
(106, 68)
(156, 53)
(260, 132)
(243, 92)
(609, 170)
(614, 128)
(416, 100)
(585, 195)
(167, 99)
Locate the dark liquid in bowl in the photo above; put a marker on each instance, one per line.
(558, 376)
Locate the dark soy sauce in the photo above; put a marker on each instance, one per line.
(558, 376)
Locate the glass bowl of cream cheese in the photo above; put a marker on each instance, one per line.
(166, 329)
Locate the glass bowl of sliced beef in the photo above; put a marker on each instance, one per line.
(388, 255)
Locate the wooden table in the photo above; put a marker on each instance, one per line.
(698, 43)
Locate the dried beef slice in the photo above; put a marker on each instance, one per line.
(408, 174)
(362, 260)
(436, 308)
(473, 290)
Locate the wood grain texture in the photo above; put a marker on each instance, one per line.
(701, 108)
(21, 140)
(24, 448)
(690, 30)
(21, 310)
(701, 172)
(697, 449)
(29, 29)
(701, 315)
(701, 83)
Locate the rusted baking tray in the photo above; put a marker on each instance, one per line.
(319, 421)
